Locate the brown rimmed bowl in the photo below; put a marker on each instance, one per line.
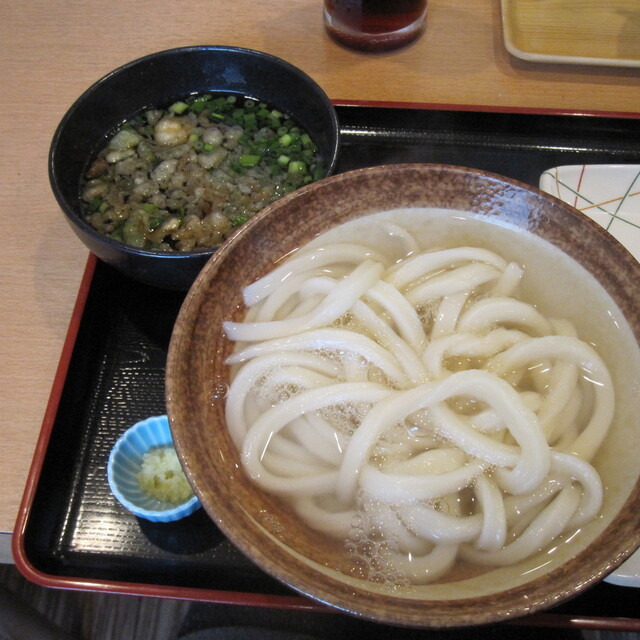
(257, 523)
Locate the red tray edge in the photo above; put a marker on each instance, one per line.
(297, 603)
(33, 477)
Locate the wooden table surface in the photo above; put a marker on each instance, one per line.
(52, 51)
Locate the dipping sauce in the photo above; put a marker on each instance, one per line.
(184, 177)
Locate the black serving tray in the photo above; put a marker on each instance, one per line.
(71, 531)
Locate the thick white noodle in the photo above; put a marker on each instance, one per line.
(572, 350)
(408, 242)
(401, 312)
(409, 399)
(508, 281)
(544, 528)
(337, 302)
(426, 568)
(336, 340)
(247, 378)
(304, 261)
(521, 470)
(418, 267)
(337, 524)
(279, 416)
(449, 311)
(493, 534)
(450, 283)
(283, 300)
(467, 345)
(489, 312)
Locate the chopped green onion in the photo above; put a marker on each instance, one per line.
(238, 221)
(198, 105)
(155, 222)
(260, 145)
(219, 104)
(249, 120)
(274, 169)
(297, 167)
(178, 107)
(248, 160)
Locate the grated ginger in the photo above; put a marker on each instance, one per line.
(162, 477)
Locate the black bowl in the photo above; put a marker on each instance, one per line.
(156, 80)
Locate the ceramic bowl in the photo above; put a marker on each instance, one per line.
(160, 79)
(267, 532)
(125, 462)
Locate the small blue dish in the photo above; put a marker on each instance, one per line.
(125, 462)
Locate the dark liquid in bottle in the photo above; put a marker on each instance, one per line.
(375, 25)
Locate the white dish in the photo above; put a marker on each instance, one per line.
(609, 195)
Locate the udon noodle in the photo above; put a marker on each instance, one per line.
(413, 399)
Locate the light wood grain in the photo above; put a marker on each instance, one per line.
(53, 50)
